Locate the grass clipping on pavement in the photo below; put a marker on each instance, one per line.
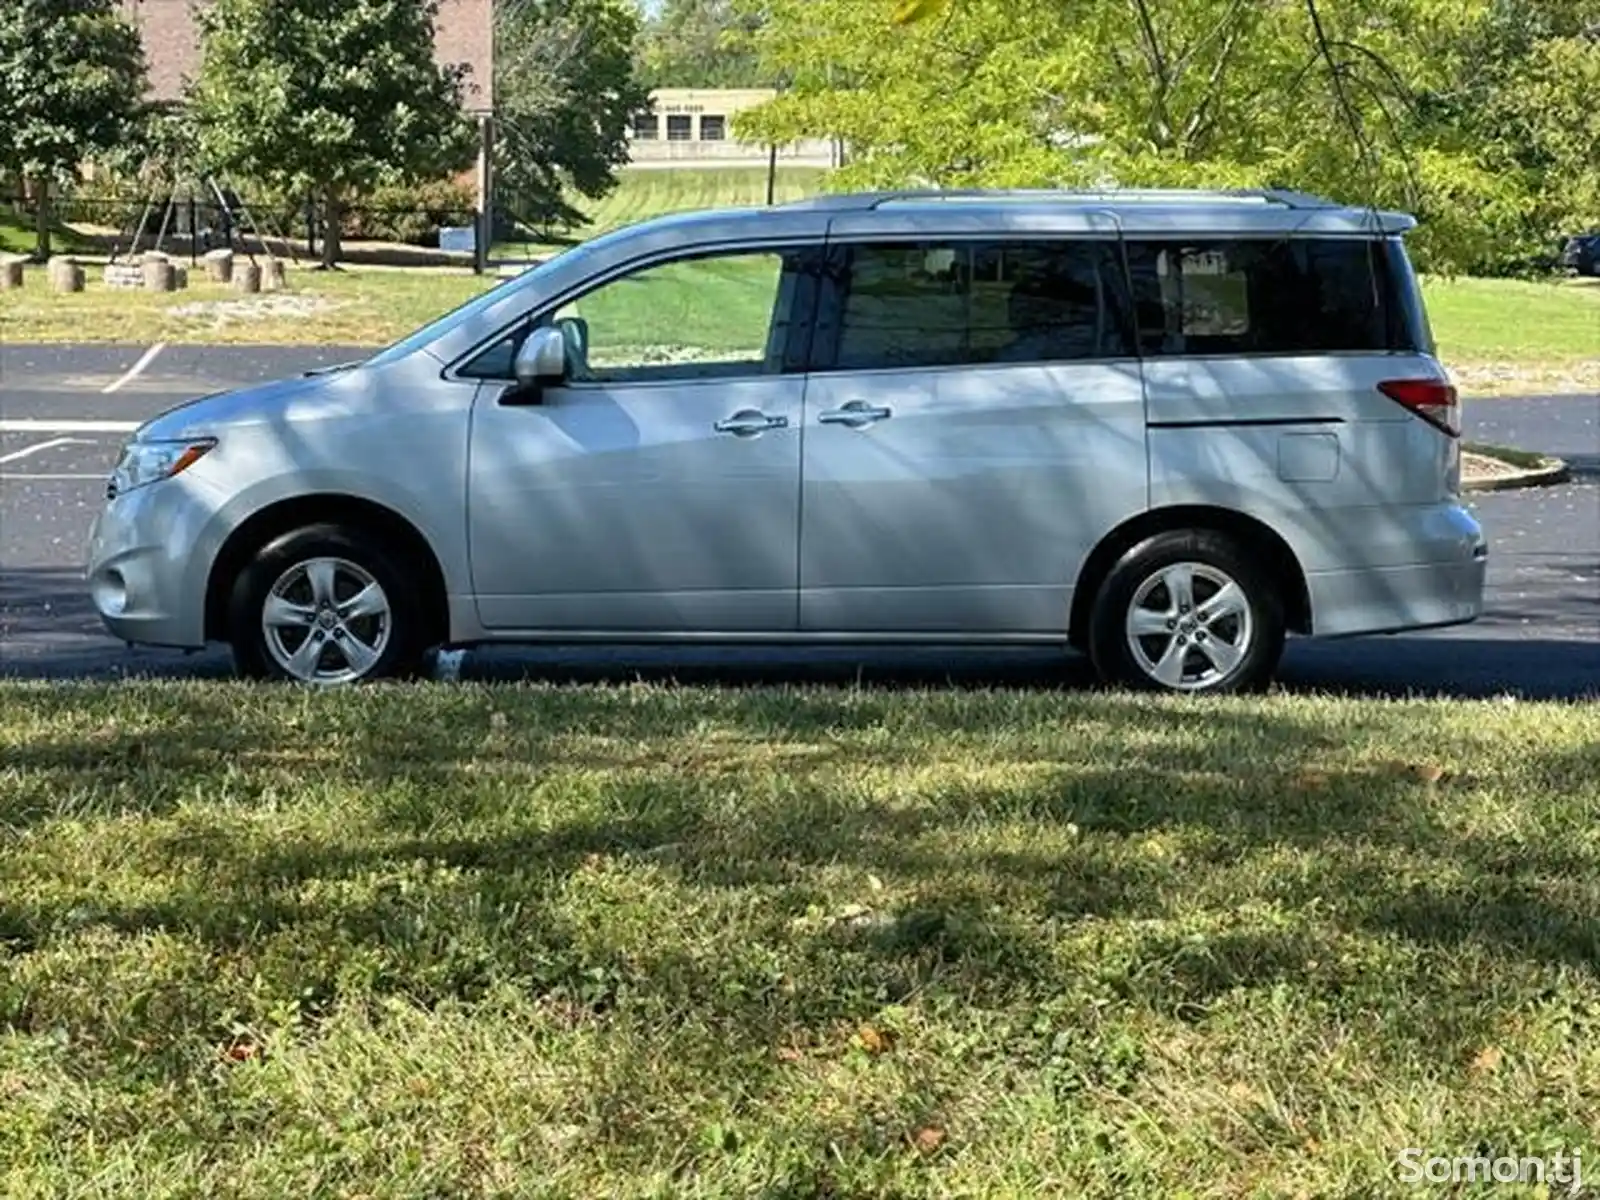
(648, 941)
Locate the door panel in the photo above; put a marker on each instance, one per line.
(970, 509)
(1013, 438)
(654, 490)
(622, 508)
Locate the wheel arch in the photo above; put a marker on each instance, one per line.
(1250, 532)
(327, 508)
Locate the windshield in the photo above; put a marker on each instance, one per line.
(436, 328)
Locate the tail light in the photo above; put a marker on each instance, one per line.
(1434, 400)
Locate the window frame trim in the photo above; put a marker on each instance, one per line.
(802, 324)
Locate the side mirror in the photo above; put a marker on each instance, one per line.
(541, 359)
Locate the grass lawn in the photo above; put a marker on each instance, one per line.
(1511, 335)
(17, 236)
(642, 194)
(369, 306)
(656, 941)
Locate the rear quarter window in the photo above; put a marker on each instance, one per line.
(1273, 297)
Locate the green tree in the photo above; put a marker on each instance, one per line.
(1521, 94)
(1558, 105)
(330, 99)
(72, 78)
(565, 91)
(1328, 98)
(703, 44)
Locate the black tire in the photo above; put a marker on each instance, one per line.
(1111, 646)
(403, 648)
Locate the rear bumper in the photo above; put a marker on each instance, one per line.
(1423, 595)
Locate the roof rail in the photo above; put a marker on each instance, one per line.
(866, 201)
(1291, 198)
(870, 201)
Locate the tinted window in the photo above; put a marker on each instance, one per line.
(938, 304)
(1412, 330)
(1296, 296)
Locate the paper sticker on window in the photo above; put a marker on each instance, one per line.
(1216, 301)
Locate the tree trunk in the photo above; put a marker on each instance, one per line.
(42, 226)
(332, 212)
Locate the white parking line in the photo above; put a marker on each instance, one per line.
(41, 425)
(12, 476)
(50, 445)
(134, 371)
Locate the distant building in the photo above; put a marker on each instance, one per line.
(693, 127)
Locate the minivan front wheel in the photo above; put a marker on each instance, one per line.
(1187, 611)
(324, 606)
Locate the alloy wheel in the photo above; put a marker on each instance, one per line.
(1190, 626)
(327, 621)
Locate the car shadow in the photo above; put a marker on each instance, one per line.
(48, 630)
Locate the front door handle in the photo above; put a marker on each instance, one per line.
(749, 423)
(856, 415)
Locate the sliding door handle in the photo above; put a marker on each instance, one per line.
(856, 415)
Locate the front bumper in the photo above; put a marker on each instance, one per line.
(142, 576)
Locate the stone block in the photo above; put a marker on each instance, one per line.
(219, 266)
(65, 274)
(159, 275)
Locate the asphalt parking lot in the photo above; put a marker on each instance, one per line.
(65, 410)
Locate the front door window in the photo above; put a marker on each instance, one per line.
(705, 317)
(691, 318)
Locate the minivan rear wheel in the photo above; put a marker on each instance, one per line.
(327, 606)
(1187, 611)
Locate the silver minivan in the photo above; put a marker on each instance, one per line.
(1163, 429)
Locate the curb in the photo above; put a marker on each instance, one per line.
(1552, 471)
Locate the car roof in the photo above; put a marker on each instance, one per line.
(1141, 211)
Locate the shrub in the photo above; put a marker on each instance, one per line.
(410, 214)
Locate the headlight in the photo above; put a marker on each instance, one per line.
(150, 462)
